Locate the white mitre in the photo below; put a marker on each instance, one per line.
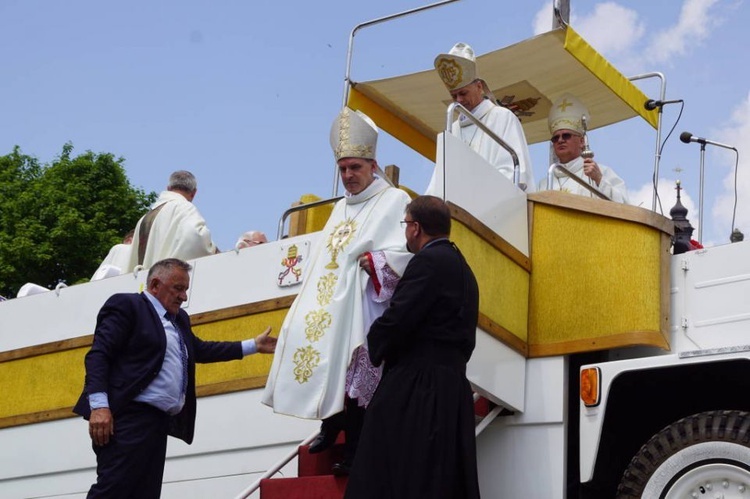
(566, 114)
(458, 67)
(353, 135)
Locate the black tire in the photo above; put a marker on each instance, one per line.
(705, 453)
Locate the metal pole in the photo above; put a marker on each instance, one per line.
(560, 14)
(350, 51)
(657, 152)
(700, 195)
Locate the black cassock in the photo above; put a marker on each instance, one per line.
(418, 435)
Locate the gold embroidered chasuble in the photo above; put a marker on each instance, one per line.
(326, 322)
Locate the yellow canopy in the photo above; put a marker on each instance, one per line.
(531, 74)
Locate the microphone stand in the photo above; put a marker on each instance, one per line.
(700, 194)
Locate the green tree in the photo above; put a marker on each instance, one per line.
(59, 220)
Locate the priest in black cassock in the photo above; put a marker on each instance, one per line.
(418, 435)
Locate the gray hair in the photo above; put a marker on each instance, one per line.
(182, 180)
(163, 268)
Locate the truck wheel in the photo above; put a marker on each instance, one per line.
(703, 455)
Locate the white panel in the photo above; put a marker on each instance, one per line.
(474, 185)
(522, 461)
(497, 372)
(714, 300)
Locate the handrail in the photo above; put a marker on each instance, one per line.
(275, 468)
(489, 418)
(573, 176)
(301, 207)
(455, 106)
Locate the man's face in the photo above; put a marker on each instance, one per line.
(469, 96)
(568, 145)
(171, 292)
(411, 230)
(356, 174)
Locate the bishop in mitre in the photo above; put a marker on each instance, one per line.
(458, 71)
(321, 365)
(568, 137)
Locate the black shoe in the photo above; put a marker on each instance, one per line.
(324, 440)
(342, 468)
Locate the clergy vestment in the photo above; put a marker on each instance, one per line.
(178, 231)
(115, 263)
(610, 185)
(506, 126)
(329, 318)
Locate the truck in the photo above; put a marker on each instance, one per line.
(612, 364)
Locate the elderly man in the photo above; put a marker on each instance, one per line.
(174, 228)
(458, 70)
(140, 381)
(250, 238)
(321, 367)
(418, 436)
(568, 140)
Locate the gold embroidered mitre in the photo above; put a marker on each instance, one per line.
(458, 67)
(353, 135)
(566, 114)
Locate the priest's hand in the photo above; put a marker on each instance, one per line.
(264, 342)
(365, 264)
(101, 426)
(591, 170)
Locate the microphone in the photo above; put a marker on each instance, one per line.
(652, 104)
(688, 137)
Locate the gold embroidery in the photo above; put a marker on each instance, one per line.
(450, 72)
(305, 360)
(326, 285)
(344, 148)
(317, 322)
(564, 105)
(342, 235)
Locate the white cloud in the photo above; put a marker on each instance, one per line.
(693, 26)
(610, 28)
(737, 133)
(543, 19)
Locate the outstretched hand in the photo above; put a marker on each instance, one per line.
(264, 342)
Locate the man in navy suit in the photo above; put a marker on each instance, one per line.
(418, 435)
(140, 381)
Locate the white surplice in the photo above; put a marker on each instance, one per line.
(331, 315)
(610, 185)
(115, 263)
(178, 231)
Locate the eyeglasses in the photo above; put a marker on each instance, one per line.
(566, 136)
(404, 223)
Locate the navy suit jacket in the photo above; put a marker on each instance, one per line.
(128, 352)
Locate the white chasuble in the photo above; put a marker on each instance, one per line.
(327, 320)
(178, 231)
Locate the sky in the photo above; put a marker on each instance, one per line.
(243, 93)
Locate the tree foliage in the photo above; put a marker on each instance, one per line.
(59, 220)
